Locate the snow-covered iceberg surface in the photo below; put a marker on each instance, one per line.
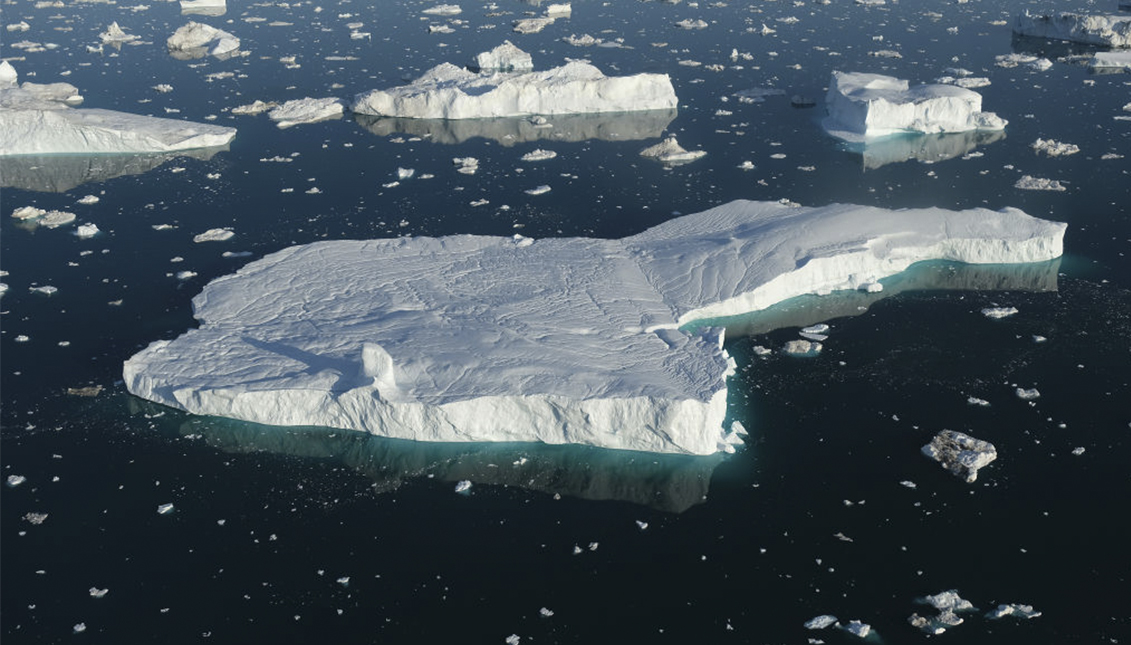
(196, 40)
(474, 338)
(38, 119)
(863, 106)
(1104, 30)
(508, 131)
(450, 92)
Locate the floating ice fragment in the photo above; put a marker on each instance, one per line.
(463, 486)
(79, 628)
(908, 484)
(671, 153)
(46, 290)
(186, 275)
(538, 190)
(1111, 60)
(1054, 148)
(16, 480)
(960, 453)
(214, 235)
(802, 348)
(999, 312)
(196, 40)
(35, 518)
(1013, 609)
(821, 622)
(973, 400)
(1034, 183)
(1010, 61)
(584, 40)
(444, 10)
(1078, 450)
(95, 592)
(165, 509)
(87, 230)
(857, 628)
(533, 25)
(405, 173)
(691, 24)
(559, 10)
(256, 107)
(545, 613)
(306, 110)
(746, 165)
(513, 639)
(1027, 394)
(87, 200)
(539, 154)
(344, 581)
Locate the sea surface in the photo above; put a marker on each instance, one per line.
(299, 535)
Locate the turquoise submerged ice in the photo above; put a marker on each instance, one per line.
(563, 340)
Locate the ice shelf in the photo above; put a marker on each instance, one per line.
(559, 340)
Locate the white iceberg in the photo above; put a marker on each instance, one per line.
(444, 10)
(114, 34)
(863, 106)
(451, 92)
(1028, 182)
(671, 153)
(506, 58)
(575, 340)
(306, 110)
(533, 25)
(1111, 60)
(38, 119)
(1103, 30)
(196, 40)
(960, 453)
(8, 75)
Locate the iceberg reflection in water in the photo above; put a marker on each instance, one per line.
(670, 483)
(607, 126)
(63, 172)
(927, 148)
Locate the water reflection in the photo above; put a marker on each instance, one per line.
(927, 148)
(613, 126)
(927, 276)
(672, 483)
(61, 173)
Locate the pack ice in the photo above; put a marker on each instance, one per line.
(1105, 30)
(561, 340)
(863, 106)
(450, 92)
(39, 119)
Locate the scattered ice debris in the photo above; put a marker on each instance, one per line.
(204, 7)
(344, 581)
(818, 332)
(735, 258)
(87, 230)
(885, 53)
(15, 480)
(1030, 394)
(214, 235)
(1028, 182)
(821, 622)
(960, 453)
(444, 10)
(1010, 61)
(463, 486)
(973, 400)
(196, 40)
(466, 165)
(1012, 609)
(970, 82)
(165, 509)
(505, 58)
(1104, 30)
(747, 165)
(95, 592)
(35, 518)
(871, 105)
(88, 391)
(691, 24)
(539, 154)
(999, 312)
(441, 29)
(802, 348)
(761, 351)
(306, 110)
(451, 92)
(1054, 148)
(537, 190)
(114, 34)
(257, 107)
(669, 152)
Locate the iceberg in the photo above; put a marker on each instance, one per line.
(506, 58)
(38, 119)
(862, 106)
(450, 92)
(196, 40)
(670, 153)
(1102, 30)
(575, 340)
(960, 453)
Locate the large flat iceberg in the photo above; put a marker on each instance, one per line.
(38, 119)
(1104, 30)
(561, 340)
(450, 92)
(863, 106)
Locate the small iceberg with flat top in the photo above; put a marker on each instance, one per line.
(558, 340)
(39, 119)
(1110, 30)
(864, 106)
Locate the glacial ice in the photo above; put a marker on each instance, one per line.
(1103, 30)
(196, 40)
(862, 106)
(578, 340)
(450, 92)
(506, 58)
(38, 119)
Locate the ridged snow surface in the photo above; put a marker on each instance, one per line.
(1112, 30)
(451, 92)
(863, 106)
(38, 119)
(560, 340)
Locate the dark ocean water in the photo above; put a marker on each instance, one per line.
(305, 534)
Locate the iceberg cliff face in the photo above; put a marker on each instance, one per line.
(1105, 30)
(471, 338)
(37, 119)
(863, 106)
(451, 92)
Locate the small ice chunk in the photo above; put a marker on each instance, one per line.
(79, 628)
(195, 40)
(907, 483)
(306, 110)
(538, 190)
(1012, 609)
(1010, 61)
(444, 10)
(999, 312)
(256, 107)
(691, 24)
(802, 348)
(973, 400)
(539, 155)
(87, 230)
(513, 639)
(463, 486)
(671, 153)
(95, 592)
(821, 622)
(165, 509)
(344, 581)
(214, 235)
(1078, 451)
(28, 212)
(857, 628)
(1054, 148)
(532, 25)
(960, 453)
(35, 518)
(1027, 394)
(46, 290)
(1109, 30)
(88, 200)
(545, 613)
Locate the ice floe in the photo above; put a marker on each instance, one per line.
(960, 453)
(670, 153)
(451, 92)
(506, 57)
(575, 340)
(1054, 148)
(863, 106)
(196, 40)
(306, 110)
(38, 119)
(1027, 182)
(1105, 30)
